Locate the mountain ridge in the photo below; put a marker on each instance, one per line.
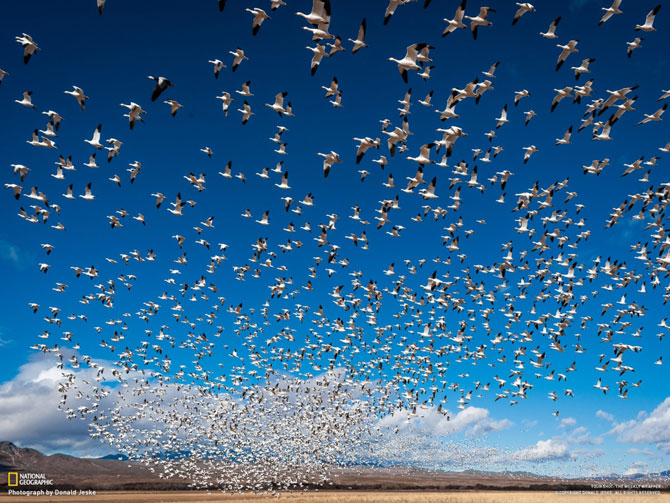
(112, 473)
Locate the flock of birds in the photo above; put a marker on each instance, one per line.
(287, 387)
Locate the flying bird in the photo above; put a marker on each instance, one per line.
(29, 46)
(523, 8)
(259, 16)
(649, 20)
(551, 31)
(409, 61)
(480, 19)
(161, 85)
(359, 43)
(610, 11)
(79, 95)
(456, 22)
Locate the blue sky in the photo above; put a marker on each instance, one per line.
(110, 56)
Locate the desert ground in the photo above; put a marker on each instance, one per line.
(358, 497)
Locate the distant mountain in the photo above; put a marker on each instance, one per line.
(117, 457)
(112, 473)
(69, 472)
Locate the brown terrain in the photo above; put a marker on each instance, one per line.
(115, 480)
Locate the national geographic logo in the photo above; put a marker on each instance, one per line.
(15, 479)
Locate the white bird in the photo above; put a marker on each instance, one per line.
(318, 54)
(635, 44)
(583, 68)
(320, 13)
(523, 8)
(134, 114)
(49, 131)
(336, 46)
(227, 170)
(429, 193)
(319, 33)
(16, 189)
(519, 95)
(425, 74)
(561, 94)
(55, 118)
(604, 134)
(3, 74)
(91, 162)
(649, 20)
(329, 160)
(21, 170)
(177, 206)
(29, 46)
(490, 73)
(239, 57)
(426, 101)
(27, 100)
(424, 155)
(551, 31)
(59, 173)
(246, 112)
(259, 16)
(363, 145)
(656, 116)
(457, 22)
(480, 19)
(226, 100)
(278, 105)
(284, 182)
(529, 151)
(409, 61)
(174, 106)
(264, 219)
(95, 141)
(391, 8)
(332, 89)
(359, 43)
(566, 137)
(610, 11)
(218, 65)
(162, 84)
(246, 89)
(79, 95)
(567, 49)
(87, 193)
(503, 117)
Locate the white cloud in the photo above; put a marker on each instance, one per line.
(544, 450)
(637, 467)
(651, 428)
(12, 254)
(604, 415)
(639, 452)
(472, 420)
(29, 414)
(568, 422)
(581, 436)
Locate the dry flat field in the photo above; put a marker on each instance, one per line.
(354, 497)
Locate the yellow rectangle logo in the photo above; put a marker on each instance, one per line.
(13, 479)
